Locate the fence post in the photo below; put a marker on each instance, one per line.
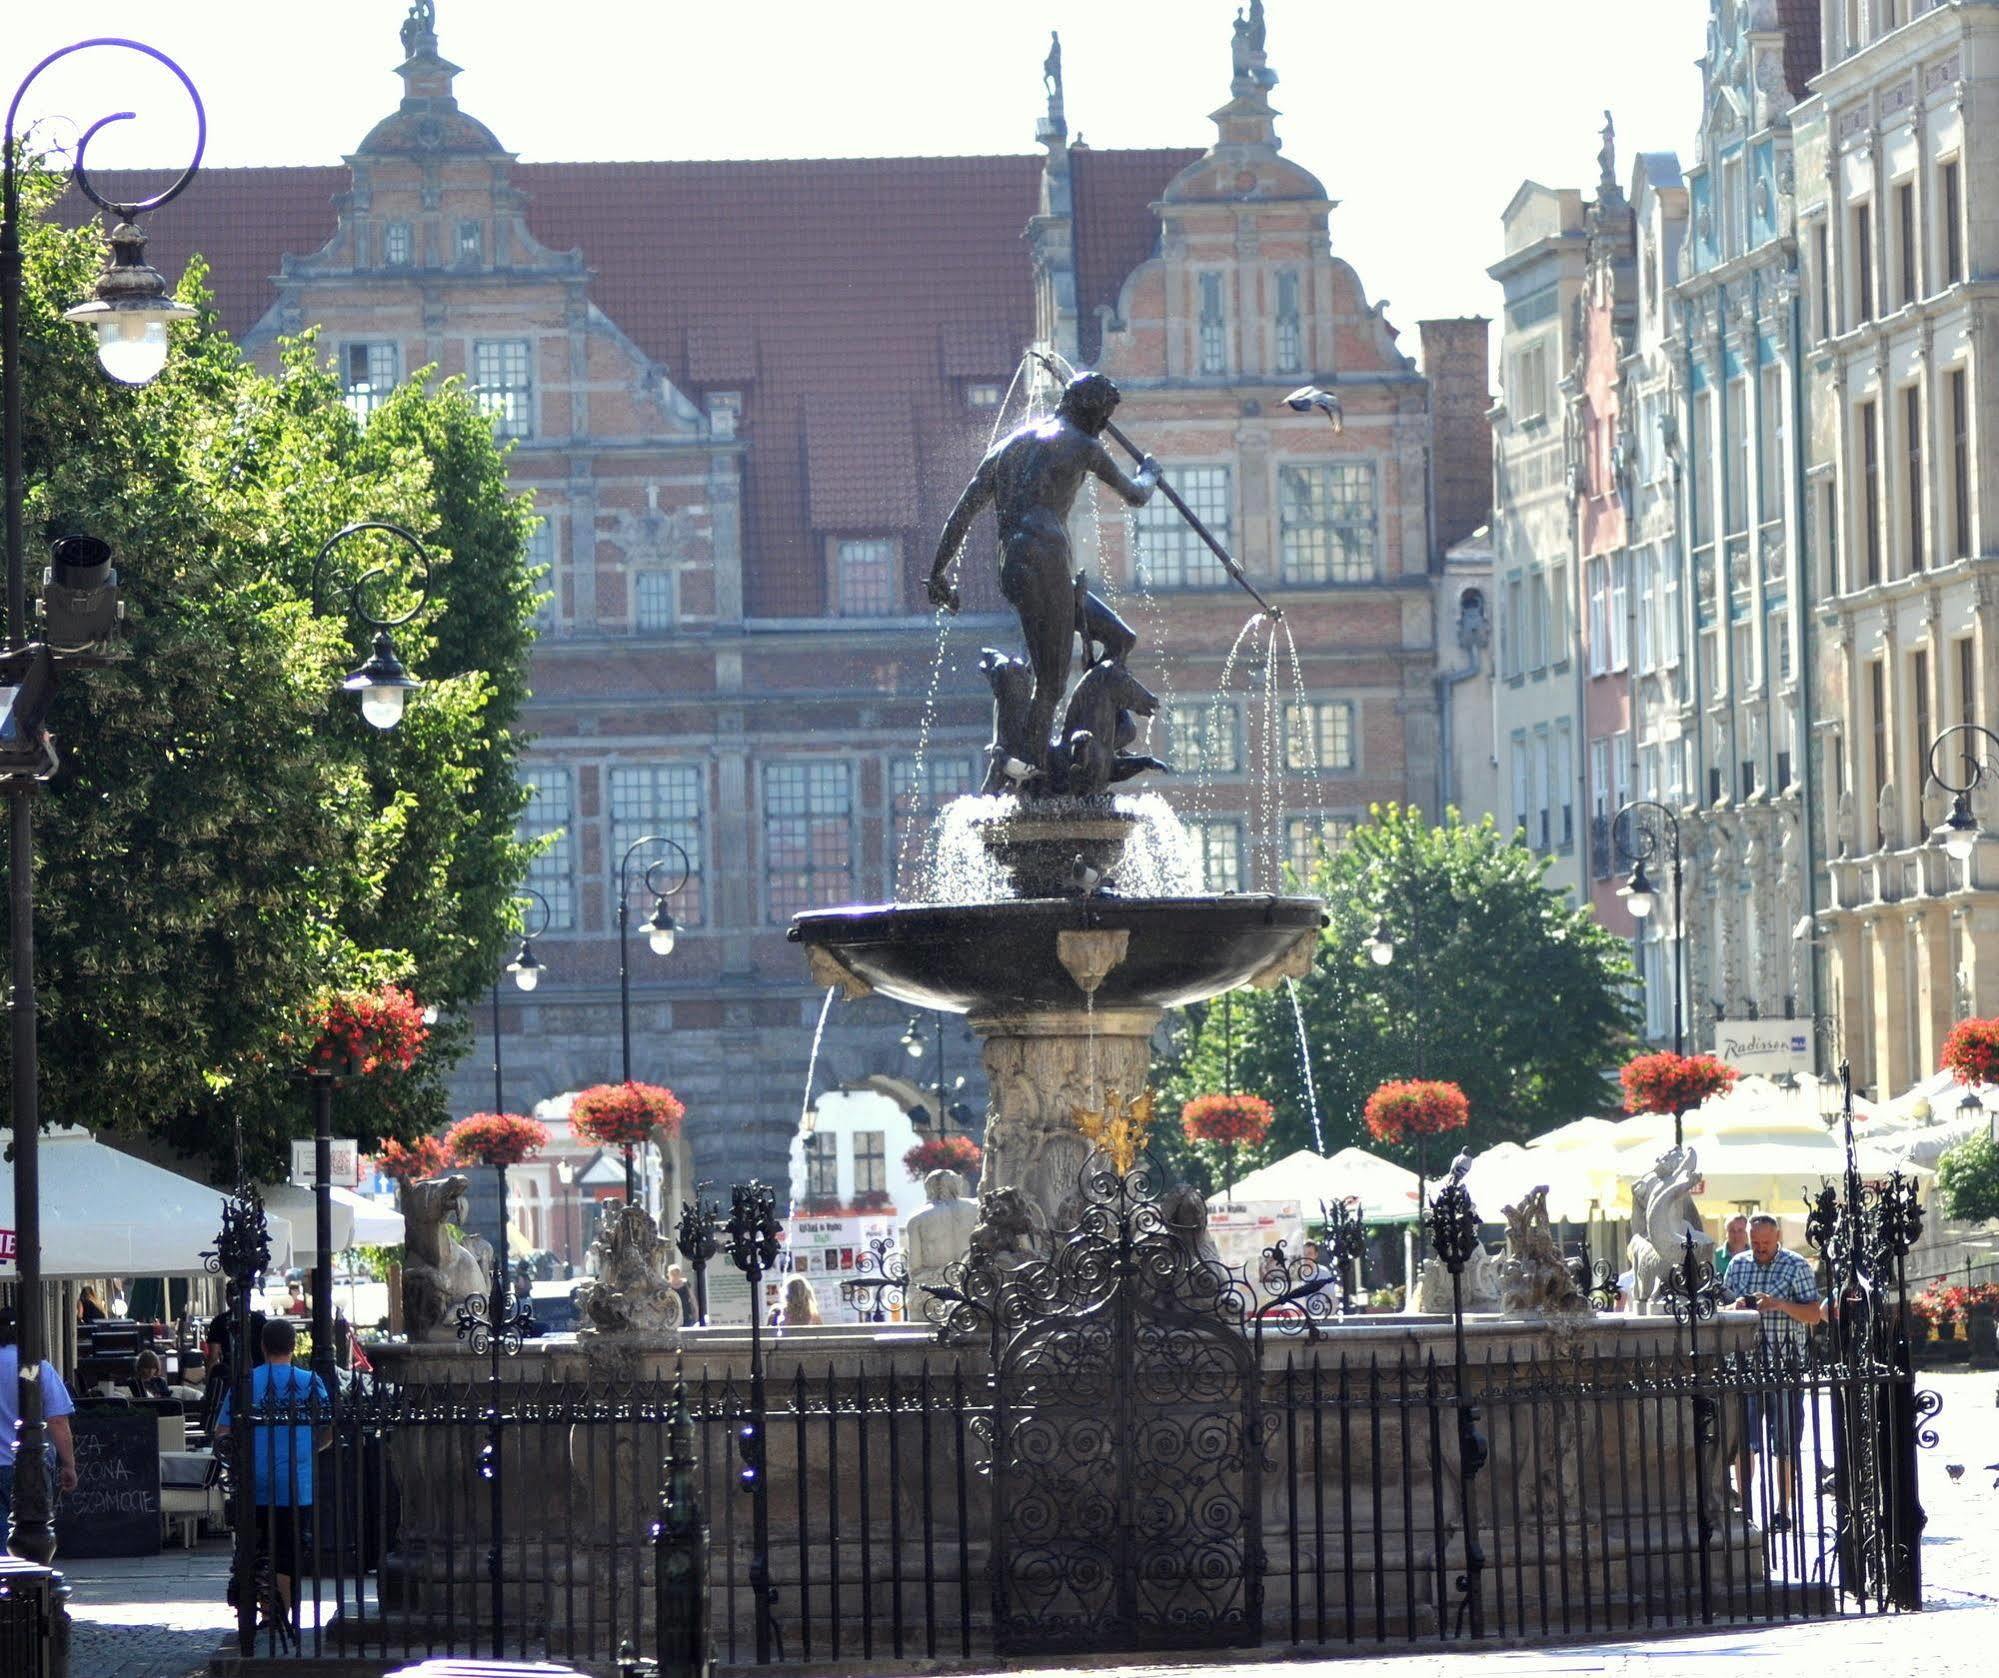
(1454, 1233)
(1693, 1295)
(241, 1255)
(681, 1645)
(754, 1232)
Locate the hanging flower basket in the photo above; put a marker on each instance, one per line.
(1400, 1111)
(411, 1162)
(1674, 1084)
(496, 1139)
(626, 1115)
(1228, 1121)
(943, 1153)
(357, 1032)
(1971, 1052)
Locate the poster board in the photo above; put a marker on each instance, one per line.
(826, 1252)
(115, 1509)
(1243, 1229)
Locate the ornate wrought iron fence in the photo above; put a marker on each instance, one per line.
(1127, 1444)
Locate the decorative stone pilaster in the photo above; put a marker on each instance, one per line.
(1043, 1067)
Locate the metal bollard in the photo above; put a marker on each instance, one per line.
(681, 1643)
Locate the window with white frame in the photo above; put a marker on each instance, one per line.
(918, 789)
(822, 1167)
(1290, 329)
(549, 811)
(503, 383)
(1596, 588)
(983, 393)
(1645, 578)
(1527, 395)
(1735, 457)
(1170, 555)
(396, 244)
(1512, 629)
(1201, 737)
(1214, 327)
(470, 241)
(1780, 640)
(1543, 774)
(1307, 838)
(541, 568)
(1620, 611)
(1770, 447)
(870, 1165)
(808, 834)
(652, 600)
(368, 373)
(1537, 620)
(1522, 780)
(1319, 734)
(867, 577)
(1326, 523)
(1220, 848)
(663, 799)
(1564, 791)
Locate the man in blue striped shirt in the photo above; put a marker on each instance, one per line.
(1779, 1286)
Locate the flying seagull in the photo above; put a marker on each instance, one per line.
(1307, 397)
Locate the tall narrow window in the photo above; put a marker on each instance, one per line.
(1326, 520)
(1735, 451)
(396, 244)
(1960, 464)
(1877, 682)
(822, 1168)
(1863, 261)
(808, 836)
(1912, 425)
(1771, 433)
(652, 600)
(548, 815)
(1170, 555)
(918, 789)
(1564, 790)
(1919, 706)
(1967, 680)
(1870, 493)
(1521, 781)
(1953, 219)
(469, 241)
(367, 376)
(1214, 329)
(1620, 611)
(1822, 268)
(1905, 228)
(1220, 845)
(870, 1166)
(867, 577)
(503, 385)
(541, 568)
(1201, 737)
(1290, 330)
(662, 799)
(1700, 459)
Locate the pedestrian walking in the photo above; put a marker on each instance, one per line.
(290, 1420)
(1779, 1286)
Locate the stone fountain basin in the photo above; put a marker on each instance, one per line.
(997, 958)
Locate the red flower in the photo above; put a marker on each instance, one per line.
(366, 1031)
(625, 1115)
(500, 1139)
(1971, 1052)
(1415, 1107)
(943, 1153)
(1229, 1120)
(1676, 1084)
(411, 1162)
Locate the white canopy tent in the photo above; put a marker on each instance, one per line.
(107, 1214)
(357, 1220)
(1385, 1191)
(1504, 1174)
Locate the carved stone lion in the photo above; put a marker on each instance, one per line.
(1011, 1230)
(439, 1271)
(629, 1293)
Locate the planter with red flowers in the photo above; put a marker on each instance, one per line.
(411, 1162)
(1221, 1126)
(626, 1117)
(360, 1032)
(1675, 1084)
(1971, 1052)
(944, 1153)
(1409, 1110)
(497, 1140)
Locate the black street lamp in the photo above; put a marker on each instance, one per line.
(381, 681)
(662, 932)
(1381, 950)
(1641, 841)
(527, 973)
(948, 1112)
(1957, 833)
(130, 311)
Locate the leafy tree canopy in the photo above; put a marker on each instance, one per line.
(227, 837)
(1496, 985)
(1968, 1180)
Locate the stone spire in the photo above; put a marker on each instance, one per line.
(1248, 119)
(426, 75)
(428, 121)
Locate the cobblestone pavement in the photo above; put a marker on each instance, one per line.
(162, 1616)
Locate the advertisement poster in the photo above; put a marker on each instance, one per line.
(825, 1251)
(1243, 1229)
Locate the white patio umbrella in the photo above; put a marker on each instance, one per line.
(107, 1214)
(1385, 1191)
(357, 1220)
(1506, 1173)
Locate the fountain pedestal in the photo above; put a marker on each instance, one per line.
(1044, 1065)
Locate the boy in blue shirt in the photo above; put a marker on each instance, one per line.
(57, 1408)
(291, 1417)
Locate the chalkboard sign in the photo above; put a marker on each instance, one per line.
(115, 1509)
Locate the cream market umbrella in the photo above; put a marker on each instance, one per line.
(357, 1221)
(1385, 1191)
(1506, 1173)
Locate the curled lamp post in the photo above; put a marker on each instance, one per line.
(527, 973)
(381, 681)
(1641, 841)
(1957, 833)
(130, 311)
(662, 932)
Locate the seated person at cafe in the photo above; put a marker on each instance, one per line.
(148, 1379)
(290, 1421)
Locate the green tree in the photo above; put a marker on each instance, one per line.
(1497, 985)
(226, 837)
(1968, 1180)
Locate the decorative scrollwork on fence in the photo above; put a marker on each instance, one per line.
(482, 1328)
(1929, 1403)
(1691, 1291)
(880, 1283)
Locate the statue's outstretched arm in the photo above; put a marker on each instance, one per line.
(1137, 491)
(976, 494)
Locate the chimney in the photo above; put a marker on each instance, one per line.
(1455, 361)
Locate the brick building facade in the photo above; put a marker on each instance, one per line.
(744, 396)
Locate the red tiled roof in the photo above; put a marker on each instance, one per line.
(880, 282)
